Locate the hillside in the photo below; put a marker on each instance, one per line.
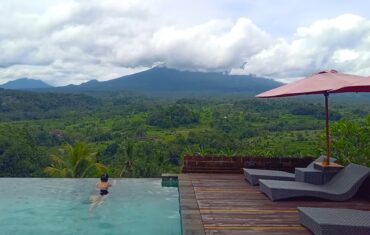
(25, 83)
(158, 132)
(23, 105)
(161, 79)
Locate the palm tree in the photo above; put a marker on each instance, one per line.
(128, 158)
(75, 161)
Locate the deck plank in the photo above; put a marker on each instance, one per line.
(229, 205)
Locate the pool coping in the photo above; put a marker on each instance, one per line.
(191, 220)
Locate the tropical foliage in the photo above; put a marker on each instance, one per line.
(351, 141)
(19, 153)
(136, 136)
(75, 161)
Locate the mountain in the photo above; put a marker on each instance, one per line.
(162, 80)
(25, 83)
(91, 83)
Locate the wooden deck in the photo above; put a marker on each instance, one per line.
(229, 205)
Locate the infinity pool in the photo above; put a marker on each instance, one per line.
(62, 206)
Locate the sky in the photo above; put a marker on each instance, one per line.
(72, 41)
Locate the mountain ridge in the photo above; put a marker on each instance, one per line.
(162, 79)
(25, 83)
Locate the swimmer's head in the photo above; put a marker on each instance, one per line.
(104, 177)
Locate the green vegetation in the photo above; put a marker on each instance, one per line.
(19, 153)
(75, 161)
(351, 141)
(77, 135)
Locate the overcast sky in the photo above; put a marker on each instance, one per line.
(72, 41)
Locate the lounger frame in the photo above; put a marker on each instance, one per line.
(334, 221)
(342, 187)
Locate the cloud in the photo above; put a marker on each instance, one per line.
(73, 41)
(341, 43)
(215, 45)
(68, 42)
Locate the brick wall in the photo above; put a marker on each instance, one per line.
(223, 164)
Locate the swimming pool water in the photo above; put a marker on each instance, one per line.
(62, 206)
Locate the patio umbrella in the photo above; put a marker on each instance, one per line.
(362, 85)
(324, 82)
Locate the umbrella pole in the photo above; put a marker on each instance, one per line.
(327, 159)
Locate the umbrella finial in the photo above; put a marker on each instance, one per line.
(327, 71)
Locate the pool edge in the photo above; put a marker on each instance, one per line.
(191, 220)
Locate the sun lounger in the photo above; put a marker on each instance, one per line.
(253, 175)
(341, 187)
(332, 221)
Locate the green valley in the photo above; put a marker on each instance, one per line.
(143, 136)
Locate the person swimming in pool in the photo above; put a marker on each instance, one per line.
(103, 186)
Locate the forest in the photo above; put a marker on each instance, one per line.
(131, 135)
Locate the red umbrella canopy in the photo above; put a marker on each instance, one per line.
(324, 82)
(363, 85)
(319, 83)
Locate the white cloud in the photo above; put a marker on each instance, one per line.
(215, 45)
(73, 41)
(341, 43)
(92, 36)
(61, 73)
(344, 56)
